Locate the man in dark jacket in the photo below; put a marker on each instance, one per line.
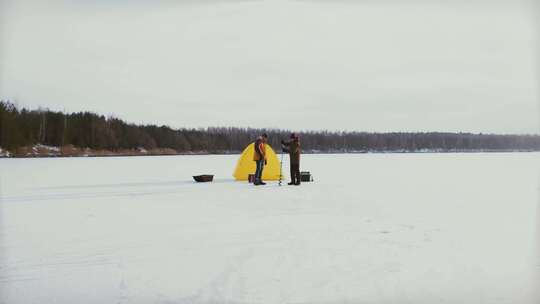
(259, 156)
(293, 147)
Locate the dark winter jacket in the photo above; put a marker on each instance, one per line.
(294, 150)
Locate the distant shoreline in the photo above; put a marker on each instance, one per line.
(41, 151)
(45, 133)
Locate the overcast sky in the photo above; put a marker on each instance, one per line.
(313, 64)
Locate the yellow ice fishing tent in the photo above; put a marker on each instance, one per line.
(246, 164)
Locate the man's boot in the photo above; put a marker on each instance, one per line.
(292, 180)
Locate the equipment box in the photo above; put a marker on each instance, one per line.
(305, 176)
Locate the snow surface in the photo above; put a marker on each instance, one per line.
(372, 228)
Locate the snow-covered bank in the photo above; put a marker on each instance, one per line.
(372, 228)
(40, 150)
(4, 153)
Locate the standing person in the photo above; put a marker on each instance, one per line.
(293, 147)
(259, 156)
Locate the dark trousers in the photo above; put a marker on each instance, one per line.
(259, 170)
(295, 173)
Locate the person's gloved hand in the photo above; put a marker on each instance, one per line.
(265, 162)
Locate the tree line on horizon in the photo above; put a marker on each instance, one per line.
(24, 127)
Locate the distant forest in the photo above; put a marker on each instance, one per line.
(23, 127)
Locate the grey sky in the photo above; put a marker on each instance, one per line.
(311, 64)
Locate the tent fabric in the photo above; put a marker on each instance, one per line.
(246, 164)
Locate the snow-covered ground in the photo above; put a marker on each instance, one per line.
(372, 228)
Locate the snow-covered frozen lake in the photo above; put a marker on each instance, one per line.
(372, 228)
